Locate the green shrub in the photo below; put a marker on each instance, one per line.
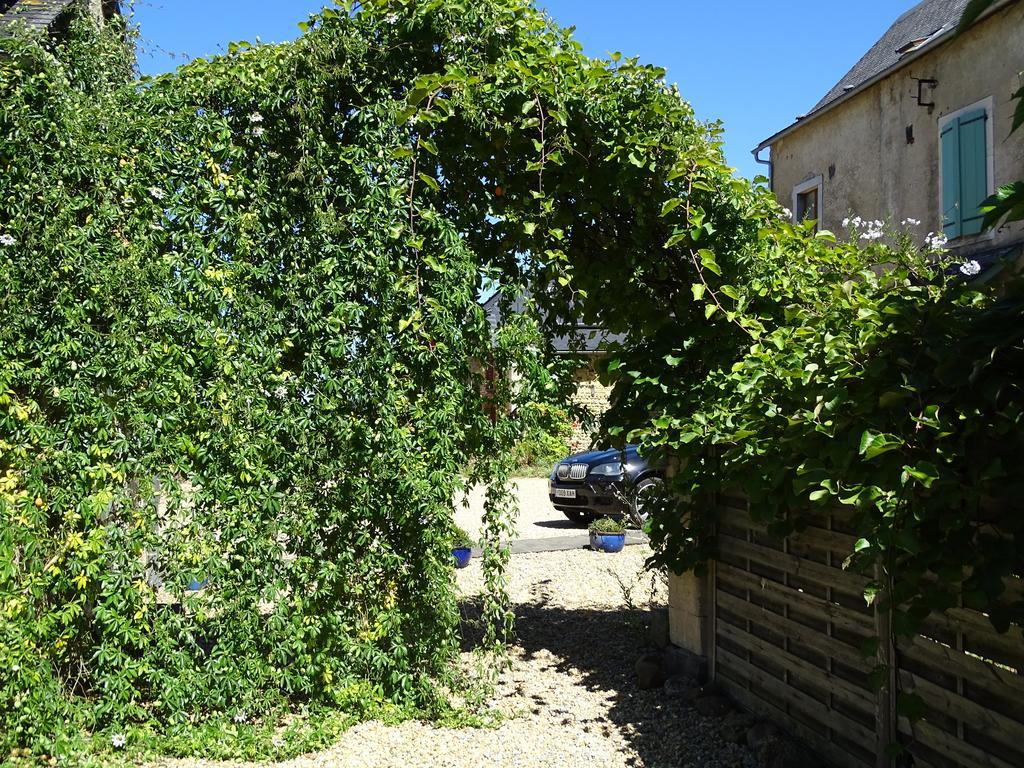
(547, 430)
(462, 539)
(827, 374)
(607, 525)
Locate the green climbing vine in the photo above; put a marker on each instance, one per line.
(243, 362)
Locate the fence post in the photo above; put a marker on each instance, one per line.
(688, 613)
(690, 598)
(885, 715)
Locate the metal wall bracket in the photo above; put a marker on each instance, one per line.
(921, 83)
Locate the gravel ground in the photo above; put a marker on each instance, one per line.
(537, 518)
(570, 696)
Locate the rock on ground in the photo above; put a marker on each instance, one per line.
(571, 695)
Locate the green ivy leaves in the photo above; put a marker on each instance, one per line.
(244, 369)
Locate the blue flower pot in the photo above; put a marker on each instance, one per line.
(607, 542)
(462, 556)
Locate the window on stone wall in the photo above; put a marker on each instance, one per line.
(807, 201)
(807, 205)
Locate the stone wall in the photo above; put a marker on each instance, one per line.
(594, 396)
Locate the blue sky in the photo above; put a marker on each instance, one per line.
(751, 64)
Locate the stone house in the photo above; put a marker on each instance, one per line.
(587, 342)
(918, 129)
(50, 15)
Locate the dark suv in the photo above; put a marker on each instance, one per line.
(609, 483)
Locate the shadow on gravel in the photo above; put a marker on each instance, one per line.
(599, 647)
(562, 525)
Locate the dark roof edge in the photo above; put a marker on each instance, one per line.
(906, 60)
(43, 15)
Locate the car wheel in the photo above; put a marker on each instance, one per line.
(577, 516)
(645, 489)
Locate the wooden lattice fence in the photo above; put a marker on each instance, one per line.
(788, 630)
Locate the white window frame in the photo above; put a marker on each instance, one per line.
(988, 104)
(806, 186)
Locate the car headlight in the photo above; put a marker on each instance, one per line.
(613, 469)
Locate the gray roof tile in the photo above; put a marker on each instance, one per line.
(575, 338)
(39, 14)
(924, 22)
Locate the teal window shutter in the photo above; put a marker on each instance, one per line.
(950, 138)
(964, 150)
(973, 170)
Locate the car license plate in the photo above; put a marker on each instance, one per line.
(565, 493)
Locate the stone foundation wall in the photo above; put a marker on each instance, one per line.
(594, 396)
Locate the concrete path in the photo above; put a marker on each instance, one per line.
(561, 543)
(537, 518)
(539, 528)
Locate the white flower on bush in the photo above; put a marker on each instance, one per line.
(970, 268)
(935, 241)
(391, 18)
(240, 717)
(873, 230)
(118, 740)
(156, 193)
(786, 213)
(500, 30)
(6, 239)
(255, 117)
(257, 132)
(281, 392)
(459, 38)
(911, 222)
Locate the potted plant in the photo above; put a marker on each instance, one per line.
(607, 535)
(462, 548)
